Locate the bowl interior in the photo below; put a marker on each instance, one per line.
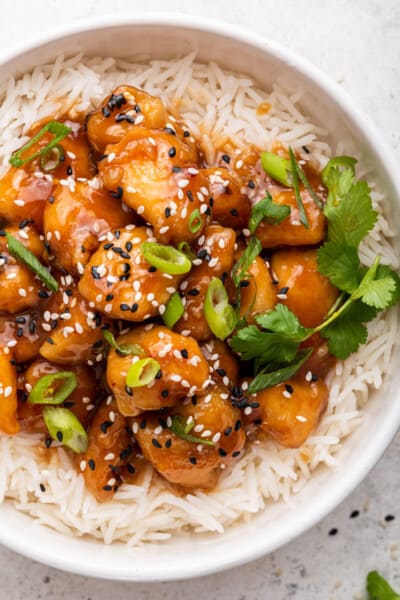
(196, 555)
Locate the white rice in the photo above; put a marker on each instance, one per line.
(218, 106)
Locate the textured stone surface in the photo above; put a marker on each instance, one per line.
(358, 44)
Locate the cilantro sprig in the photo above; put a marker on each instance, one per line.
(274, 343)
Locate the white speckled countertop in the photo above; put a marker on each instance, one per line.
(358, 44)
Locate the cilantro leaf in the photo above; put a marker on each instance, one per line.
(376, 292)
(251, 342)
(340, 264)
(267, 210)
(268, 379)
(385, 271)
(344, 336)
(353, 217)
(282, 320)
(240, 268)
(379, 589)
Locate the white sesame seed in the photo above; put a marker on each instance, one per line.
(216, 437)
(248, 410)
(308, 376)
(176, 378)
(111, 157)
(109, 456)
(161, 309)
(22, 292)
(158, 430)
(213, 262)
(164, 229)
(203, 209)
(7, 391)
(19, 202)
(182, 183)
(206, 433)
(135, 428)
(199, 427)
(112, 481)
(301, 418)
(221, 243)
(140, 209)
(286, 394)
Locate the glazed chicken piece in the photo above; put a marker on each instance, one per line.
(257, 292)
(216, 251)
(128, 107)
(231, 208)
(290, 411)
(183, 370)
(25, 190)
(24, 333)
(82, 401)
(20, 289)
(8, 393)
(75, 334)
(110, 448)
(224, 368)
(190, 464)
(305, 292)
(74, 221)
(120, 282)
(155, 174)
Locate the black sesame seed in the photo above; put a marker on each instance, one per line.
(238, 425)
(59, 436)
(333, 531)
(106, 112)
(118, 194)
(109, 297)
(251, 185)
(257, 422)
(306, 150)
(130, 468)
(289, 388)
(69, 170)
(228, 431)
(254, 404)
(189, 195)
(167, 212)
(24, 223)
(143, 424)
(137, 108)
(194, 400)
(124, 117)
(193, 460)
(95, 273)
(48, 442)
(176, 169)
(314, 377)
(68, 404)
(186, 133)
(21, 320)
(108, 246)
(152, 269)
(208, 212)
(222, 452)
(159, 374)
(226, 158)
(156, 443)
(128, 390)
(126, 452)
(244, 283)
(169, 130)
(235, 454)
(43, 294)
(184, 353)
(354, 514)
(234, 212)
(211, 202)
(20, 332)
(124, 307)
(105, 425)
(134, 307)
(221, 372)
(283, 290)
(51, 199)
(164, 393)
(389, 518)
(172, 152)
(91, 464)
(117, 234)
(42, 487)
(32, 327)
(116, 100)
(168, 443)
(193, 292)
(69, 292)
(50, 341)
(107, 488)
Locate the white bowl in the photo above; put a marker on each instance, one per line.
(165, 36)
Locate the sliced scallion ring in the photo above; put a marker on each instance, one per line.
(53, 388)
(173, 310)
(220, 315)
(124, 349)
(182, 430)
(278, 168)
(64, 427)
(59, 130)
(195, 221)
(52, 158)
(166, 258)
(186, 249)
(142, 372)
(18, 250)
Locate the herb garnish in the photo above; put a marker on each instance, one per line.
(379, 589)
(182, 430)
(122, 349)
(274, 343)
(59, 130)
(19, 251)
(267, 210)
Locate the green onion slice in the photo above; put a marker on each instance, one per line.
(267, 210)
(186, 249)
(53, 388)
(220, 315)
(182, 430)
(64, 427)
(300, 205)
(166, 258)
(195, 221)
(303, 178)
(337, 161)
(124, 349)
(52, 158)
(173, 310)
(59, 130)
(19, 251)
(240, 268)
(142, 372)
(278, 168)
